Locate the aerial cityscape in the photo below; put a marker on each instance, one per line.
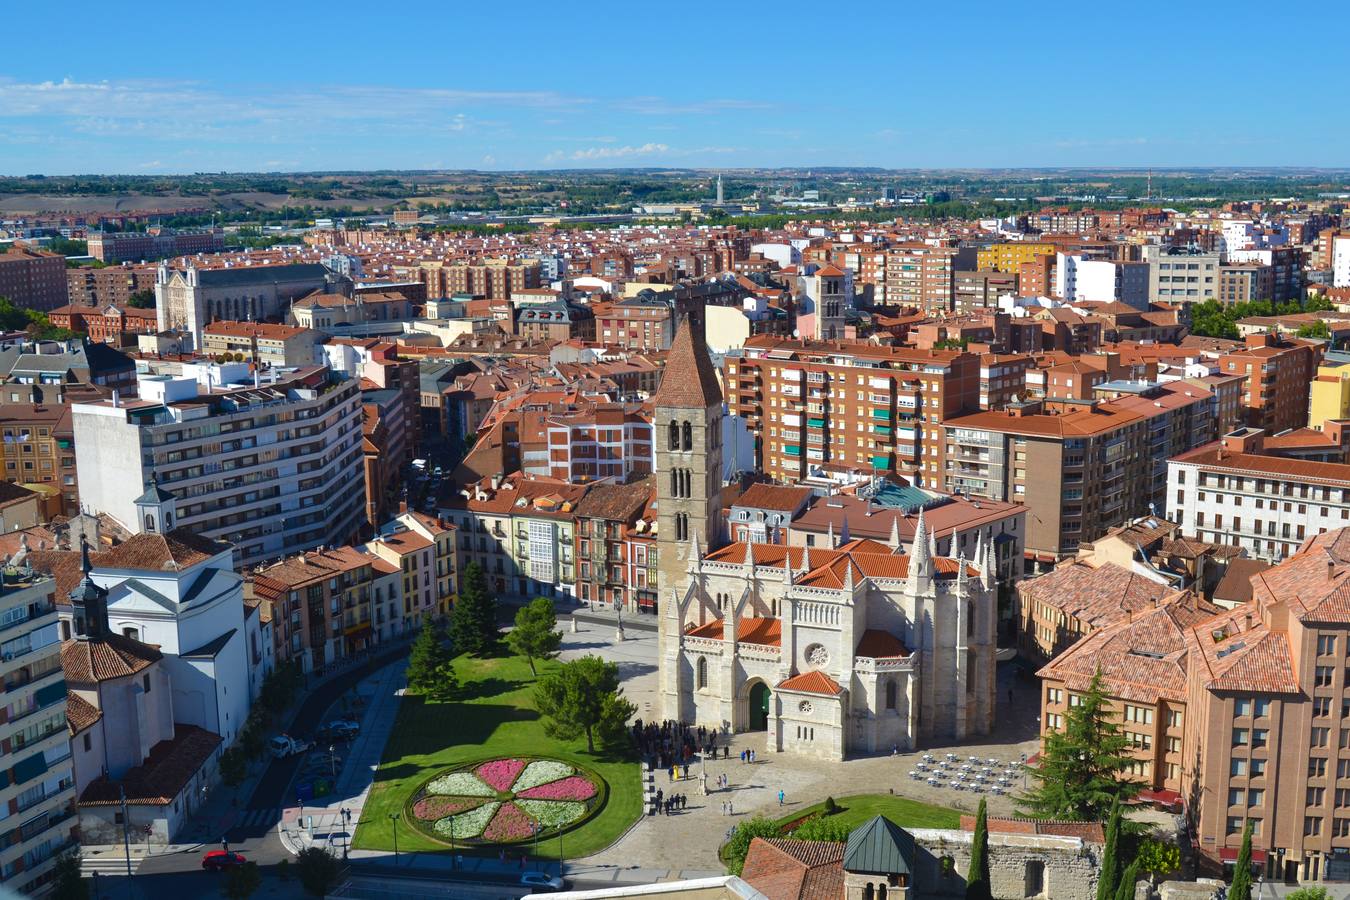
(455, 454)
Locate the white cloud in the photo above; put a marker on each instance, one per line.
(647, 149)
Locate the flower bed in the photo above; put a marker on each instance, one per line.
(505, 801)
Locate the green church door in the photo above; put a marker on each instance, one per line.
(759, 706)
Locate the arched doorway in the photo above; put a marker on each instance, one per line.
(759, 706)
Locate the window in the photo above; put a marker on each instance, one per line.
(1315, 796)
(1258, 768)
(890, 695)
(1140, 714)
(145, 682)
(1262, 707)
(1054, 696)
(1326, 644)
(1312, 826)
(1322, 676)
(1317, 767)
(1319, 737)
(1260, 737)
(1234, 825)
(1241, 737)
(1034, 878)
(1242, 707)
(702, 672)
(1257, 796)
(88, 742)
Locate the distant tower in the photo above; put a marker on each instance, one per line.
(687, 425)
(719, 189)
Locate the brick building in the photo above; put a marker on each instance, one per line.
(111, 323)
(1278, 372)
(33, 279)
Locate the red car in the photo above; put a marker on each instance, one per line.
(219, 860)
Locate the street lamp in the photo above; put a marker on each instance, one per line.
(394, 817)
(332, 760)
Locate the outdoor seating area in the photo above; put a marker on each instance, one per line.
(979, 776)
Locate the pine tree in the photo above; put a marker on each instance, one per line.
(473, 625)
(1128, 882)
(1107, 883)
(1080, 771)
(536, 634)
(977, 877)
(584, 697)
(1241, 888)
(430, 669)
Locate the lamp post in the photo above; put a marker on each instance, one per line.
(346, 831)
(393, 817)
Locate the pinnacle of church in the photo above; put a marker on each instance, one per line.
(690, 380)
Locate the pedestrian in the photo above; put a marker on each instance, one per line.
(780, 796)
(670, 773)
(726, 751)
(730, 809)
(742, 756)
(724, 807)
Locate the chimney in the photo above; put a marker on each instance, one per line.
(402, 506)
(117, 399)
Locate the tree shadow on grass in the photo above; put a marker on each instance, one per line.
(486, 687)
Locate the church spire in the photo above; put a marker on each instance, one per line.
(829, 537)
(843, 532)
(920, 552)
(894, 539)
(689, 380)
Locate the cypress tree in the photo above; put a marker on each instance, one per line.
(1127, 882)
(1107, 883)
(977, 878)
(1241, 888)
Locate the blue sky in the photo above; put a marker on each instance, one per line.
(160, 87)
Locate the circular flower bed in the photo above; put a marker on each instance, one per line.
(505, 801)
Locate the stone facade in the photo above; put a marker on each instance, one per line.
(1020, 865)
(190, 299)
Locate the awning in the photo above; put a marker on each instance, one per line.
(1165, 798)
(881, 462)
(881, 414)
(816, 423)
(29, 768)
(1230, 855)
(792, 450)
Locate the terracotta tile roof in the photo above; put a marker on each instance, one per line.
(750, 630)
(813, 682)
(787, 869)
(1236, 584)
(1213, 456)
(1097, 596)
(774, 496)
(156, 552)
(689, 380)
(1141, 658)
(1092, 832)
(828, 566)
(617, 502)
(115, 656)
(1237, 651)
(163, 774)
(80, 713)
(877, 644)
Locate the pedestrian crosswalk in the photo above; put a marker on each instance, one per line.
(259, 818)
(105, 865)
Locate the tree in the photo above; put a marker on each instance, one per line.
(584, 697)
(319, 872)
(1316, 329)
(243, 881)
(142, 299)
(233, 767)
(977, 876)
(474, 621)
(1128, 882)
(739, 845)
(536, 634)
(67, 884)
(1309, 893)
(430, 669)
(1158, 858)
(1109, 879)
(1081, 770)
(1241, 888)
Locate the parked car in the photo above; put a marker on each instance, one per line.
(542, 883)
(343, 729)
(283, 745)
(219, 860)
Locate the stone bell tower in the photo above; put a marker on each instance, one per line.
(687, 430)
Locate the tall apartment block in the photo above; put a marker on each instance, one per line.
(924, 275)
(37, 783)
(850, 404)
(1009, 256)
(1083, 471)
(32, 279)
(1279, 374)
(134, 246)
(273, 467)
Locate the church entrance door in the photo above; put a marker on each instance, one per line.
(759, 706)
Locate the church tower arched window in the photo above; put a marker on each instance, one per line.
(674, 435)
(688, 431)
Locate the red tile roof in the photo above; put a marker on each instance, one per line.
(689, 381)
(811, 683)
(787, 869)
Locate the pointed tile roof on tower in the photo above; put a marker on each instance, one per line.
(690, 380)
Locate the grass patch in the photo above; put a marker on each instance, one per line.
(494, 716)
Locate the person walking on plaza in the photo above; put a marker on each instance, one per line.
(780, 796)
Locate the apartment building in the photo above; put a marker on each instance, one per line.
(1329, 395)
(38, 811)
(494, 279)
(1080, 468)
(330, 603)
(273, 467)
(1009, 256)
(87, 286)
(976, 291)
(39, 449)
(924, 275)
(1245, 282)
(854, 404)
(33, 279)
(610, 440)
(1081, 277)
(1281, 270)
(644, 323)
(1242, 712)
(264, 343)
(1278, 374)
(1183, 274)
(615, 552)
(136, 245)
(1234, 492)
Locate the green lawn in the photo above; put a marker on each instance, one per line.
(494, 716)
(860, 808)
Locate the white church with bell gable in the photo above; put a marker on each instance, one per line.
(854, 648)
